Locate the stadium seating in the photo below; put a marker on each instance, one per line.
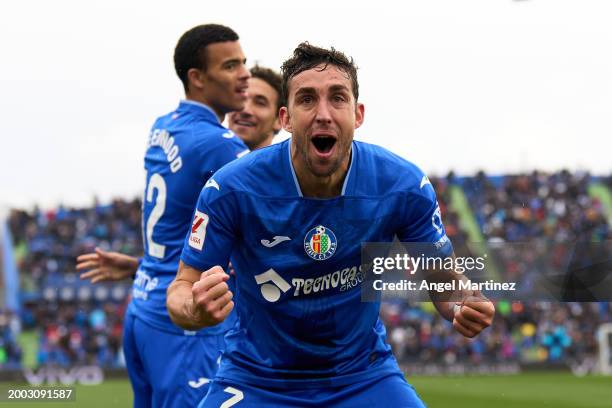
(78, 323)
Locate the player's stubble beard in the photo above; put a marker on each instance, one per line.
(343, 152)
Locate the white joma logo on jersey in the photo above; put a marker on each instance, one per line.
(275, 241)
(212, 183)
(425, 181)
(197, 384)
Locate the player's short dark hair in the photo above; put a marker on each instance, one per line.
(190, 51)
(273, 79)
(307, 56)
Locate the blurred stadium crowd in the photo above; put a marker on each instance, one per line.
(521, 210)
(78, 323)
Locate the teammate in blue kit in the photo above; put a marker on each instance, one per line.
(256, 124)
(168, 366)
(292, 218)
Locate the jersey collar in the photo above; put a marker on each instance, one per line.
(199, 108)
(346, 179)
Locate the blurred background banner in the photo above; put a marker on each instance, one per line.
(9, 278)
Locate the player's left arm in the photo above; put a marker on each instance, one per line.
(469, 311)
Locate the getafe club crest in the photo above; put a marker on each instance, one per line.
(320, 243)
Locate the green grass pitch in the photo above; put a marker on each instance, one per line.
(559, 390)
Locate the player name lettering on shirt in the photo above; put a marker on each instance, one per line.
(161, 138)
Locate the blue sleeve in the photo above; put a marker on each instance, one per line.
(211, 237)
(423, 222)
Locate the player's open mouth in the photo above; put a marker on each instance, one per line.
(323, 144)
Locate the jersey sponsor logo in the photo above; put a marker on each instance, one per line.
(275, 241)
(344, 279)
(271, 291)
(198, 230)
(143, 284)
(212, 183)
(273, 285)
(228, 135)
(320, 243)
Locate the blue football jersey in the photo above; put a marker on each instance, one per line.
(184, 149)
(297, 261)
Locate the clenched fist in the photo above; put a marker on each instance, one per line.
(473, 315)
(212, 298)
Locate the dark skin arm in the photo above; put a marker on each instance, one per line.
(101, 266)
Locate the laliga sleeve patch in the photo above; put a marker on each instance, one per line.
(198, 230)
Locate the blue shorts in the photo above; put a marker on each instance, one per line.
(390, 391)
(168, 369)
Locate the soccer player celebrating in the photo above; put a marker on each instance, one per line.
(185, 147)
(256, 125)
(293, 217)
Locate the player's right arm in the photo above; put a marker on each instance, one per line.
(471, 312)
(199, 299)
(199, 295)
